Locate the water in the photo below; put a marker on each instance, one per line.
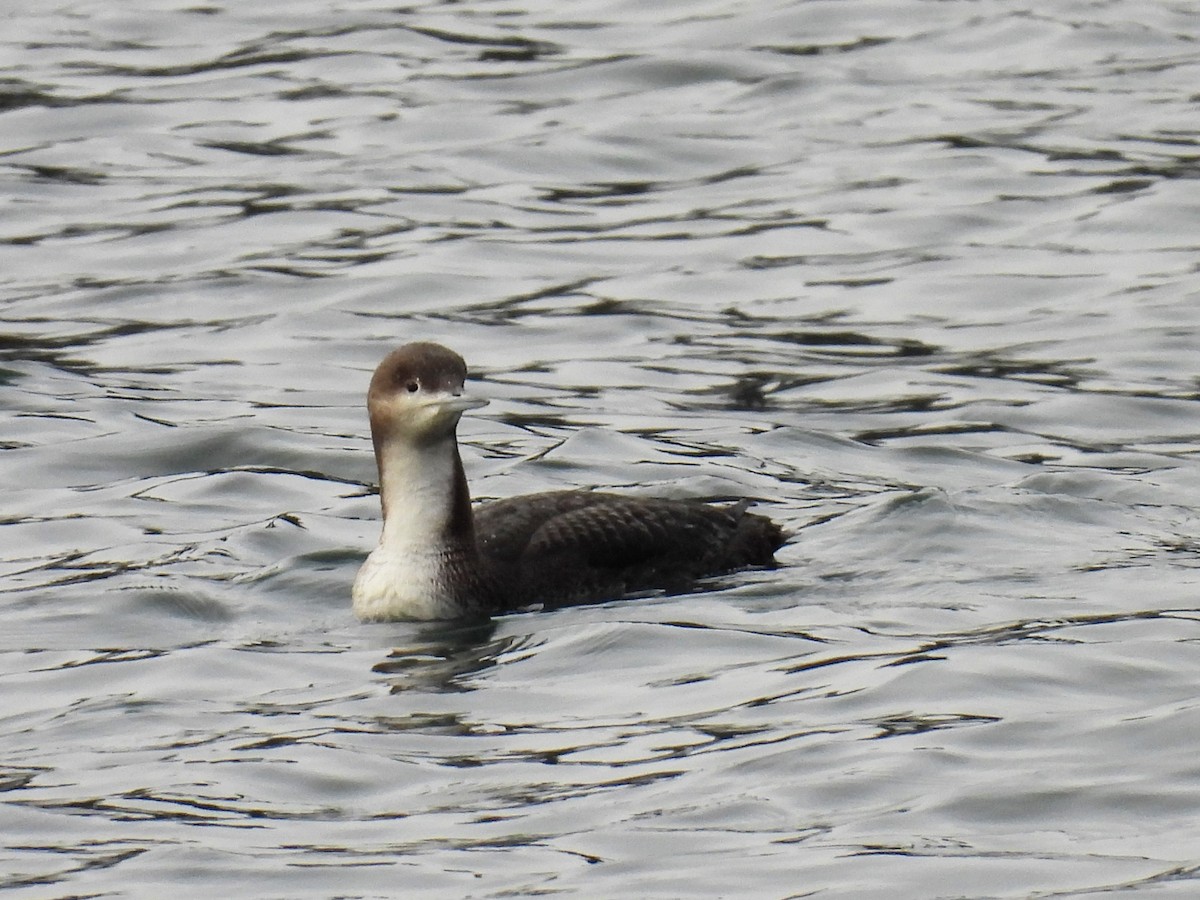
(916, 275)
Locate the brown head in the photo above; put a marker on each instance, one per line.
(416, 394)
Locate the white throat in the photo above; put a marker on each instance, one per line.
(407, 575)
(417, 487)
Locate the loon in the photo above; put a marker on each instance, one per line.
(438, 558)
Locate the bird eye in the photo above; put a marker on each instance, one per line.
(412, 386)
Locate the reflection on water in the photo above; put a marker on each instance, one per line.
(445, 659)
(914, 277)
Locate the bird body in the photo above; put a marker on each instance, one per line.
(438, 558)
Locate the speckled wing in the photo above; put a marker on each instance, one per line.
(505, 528)
(573, 546)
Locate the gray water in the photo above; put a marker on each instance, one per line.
(917, 276)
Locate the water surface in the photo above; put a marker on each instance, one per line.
(916, 276)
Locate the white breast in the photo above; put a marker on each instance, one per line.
(408, 585)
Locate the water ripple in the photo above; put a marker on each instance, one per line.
(927, 301)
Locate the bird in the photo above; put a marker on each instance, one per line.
(439, 557)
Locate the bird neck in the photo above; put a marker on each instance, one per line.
(426, 502)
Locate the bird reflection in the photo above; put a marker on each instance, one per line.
(442, 655)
